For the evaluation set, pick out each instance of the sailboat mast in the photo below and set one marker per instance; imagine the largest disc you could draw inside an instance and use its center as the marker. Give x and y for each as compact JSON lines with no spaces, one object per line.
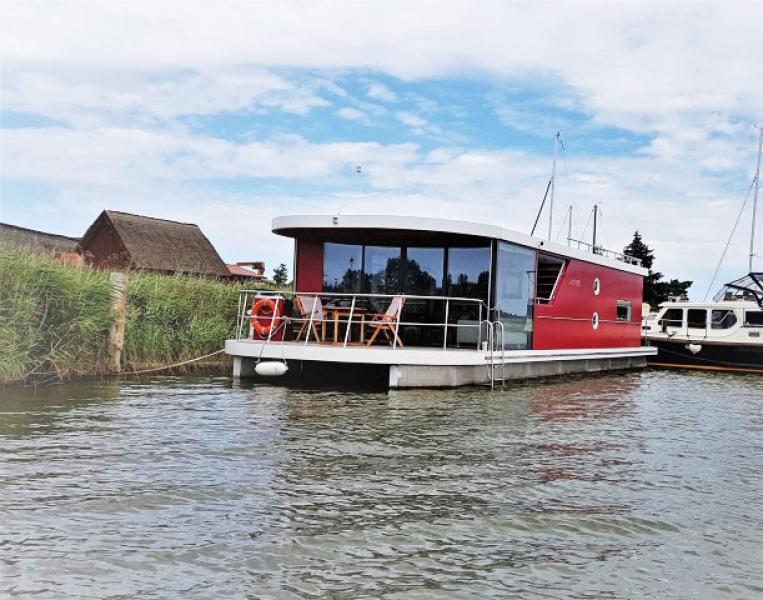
{"x":553,"y":184}
{"x":755,"y":200}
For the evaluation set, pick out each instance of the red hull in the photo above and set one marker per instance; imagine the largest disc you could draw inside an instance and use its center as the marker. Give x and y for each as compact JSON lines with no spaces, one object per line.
{"x":566,"y":322}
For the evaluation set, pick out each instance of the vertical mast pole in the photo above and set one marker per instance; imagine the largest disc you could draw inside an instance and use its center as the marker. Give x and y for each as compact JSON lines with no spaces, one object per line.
{"x":755,"y":200}
{"x":569,"y":227}
{"x":553,"y":185}
{"x":595,"y":212}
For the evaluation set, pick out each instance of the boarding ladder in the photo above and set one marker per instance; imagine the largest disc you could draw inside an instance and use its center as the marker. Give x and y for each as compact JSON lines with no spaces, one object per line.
{"x":495,"y":351}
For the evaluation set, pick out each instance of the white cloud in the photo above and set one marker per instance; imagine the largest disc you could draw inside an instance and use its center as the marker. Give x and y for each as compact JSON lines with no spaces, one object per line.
{"x":647,"y":68}
{"x":411,"y":120}
{"x":353,"y":114}
{"x":637,"y":66}
{"x":120,"y":156}
{"x":379,"y":91}
{"x":85,"y":98}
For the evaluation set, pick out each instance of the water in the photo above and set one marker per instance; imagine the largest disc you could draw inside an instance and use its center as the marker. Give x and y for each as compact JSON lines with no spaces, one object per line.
{"x":624,"y":486}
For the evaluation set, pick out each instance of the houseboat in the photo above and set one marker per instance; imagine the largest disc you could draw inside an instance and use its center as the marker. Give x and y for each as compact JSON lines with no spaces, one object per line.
{"x":402,"y":302}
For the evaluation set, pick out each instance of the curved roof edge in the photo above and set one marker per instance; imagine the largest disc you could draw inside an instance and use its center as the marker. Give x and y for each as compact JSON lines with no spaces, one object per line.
{"x":405,"y":223}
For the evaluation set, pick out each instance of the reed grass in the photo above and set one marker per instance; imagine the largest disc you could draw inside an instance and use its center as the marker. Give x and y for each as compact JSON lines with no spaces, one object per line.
{"x":176,"y":318}
{"x":55,"y":318}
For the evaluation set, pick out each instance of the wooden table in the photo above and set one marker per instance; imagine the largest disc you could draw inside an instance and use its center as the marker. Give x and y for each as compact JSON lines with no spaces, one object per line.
{"x":342,"y":313}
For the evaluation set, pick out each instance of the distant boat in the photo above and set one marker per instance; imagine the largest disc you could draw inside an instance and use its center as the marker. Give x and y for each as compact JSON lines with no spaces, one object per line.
{"x":723,"y":335}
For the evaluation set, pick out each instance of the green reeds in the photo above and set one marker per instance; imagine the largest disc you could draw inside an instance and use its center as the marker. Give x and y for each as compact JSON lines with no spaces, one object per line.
{"x":55,"y":318}
{"x":175,"y":318}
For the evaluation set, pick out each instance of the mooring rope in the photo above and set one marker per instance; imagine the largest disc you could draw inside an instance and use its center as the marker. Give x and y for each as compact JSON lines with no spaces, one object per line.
{"x":180,"y":364}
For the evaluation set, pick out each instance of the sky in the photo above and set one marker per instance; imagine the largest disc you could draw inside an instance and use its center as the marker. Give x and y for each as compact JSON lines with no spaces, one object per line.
{"x":226,"y":114}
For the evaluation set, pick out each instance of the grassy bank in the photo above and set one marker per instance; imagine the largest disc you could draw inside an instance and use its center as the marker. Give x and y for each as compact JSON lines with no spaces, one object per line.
{"x":55,"y":318}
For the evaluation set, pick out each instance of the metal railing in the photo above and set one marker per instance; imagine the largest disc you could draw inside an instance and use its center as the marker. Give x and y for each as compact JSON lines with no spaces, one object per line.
{"x":285,"y":314}
{"x":601,"y":251}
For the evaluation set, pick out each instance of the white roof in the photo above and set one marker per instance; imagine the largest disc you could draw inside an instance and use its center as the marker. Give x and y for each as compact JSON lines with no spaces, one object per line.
{"x":720,"y":305}
{"x":404,"y":223}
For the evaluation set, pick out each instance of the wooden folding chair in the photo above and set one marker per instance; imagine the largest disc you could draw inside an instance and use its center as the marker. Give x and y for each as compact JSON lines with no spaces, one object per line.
{"x":305,"y":306}
{"x":386,"y":323}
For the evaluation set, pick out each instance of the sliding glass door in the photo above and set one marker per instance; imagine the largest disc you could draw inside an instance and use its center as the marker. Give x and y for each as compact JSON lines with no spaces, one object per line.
{"x":515,"y":294}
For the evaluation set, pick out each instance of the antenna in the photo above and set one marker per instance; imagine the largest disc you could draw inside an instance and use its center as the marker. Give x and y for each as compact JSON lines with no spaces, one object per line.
{"x":755,"y":199}
{"x":358,"y":172}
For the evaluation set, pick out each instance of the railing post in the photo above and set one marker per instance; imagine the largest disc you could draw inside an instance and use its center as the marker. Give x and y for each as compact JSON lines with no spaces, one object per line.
{"x":503,"y":355}
{"x":238,"y":317}
{"x":445,"y":325}
{"x":273,"y":319}
{"x":349,"y":322}
{"x":490,"y":366}
{"x":479,"y":332}
{"x":397,"y":324}
{"x":241,"y":314}
{"x":310,"y":322}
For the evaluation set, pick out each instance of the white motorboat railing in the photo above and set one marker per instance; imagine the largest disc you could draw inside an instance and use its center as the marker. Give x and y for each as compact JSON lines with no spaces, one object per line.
{"x":285,"y":313}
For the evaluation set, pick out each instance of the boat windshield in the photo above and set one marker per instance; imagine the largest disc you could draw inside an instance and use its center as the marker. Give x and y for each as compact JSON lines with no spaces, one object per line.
{"x":749,"y":287}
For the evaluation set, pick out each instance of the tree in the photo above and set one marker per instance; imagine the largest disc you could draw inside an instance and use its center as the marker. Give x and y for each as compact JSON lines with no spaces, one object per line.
{"x":280,"y":275}
{"x":638,"y":249}
{"x":655,"y":291}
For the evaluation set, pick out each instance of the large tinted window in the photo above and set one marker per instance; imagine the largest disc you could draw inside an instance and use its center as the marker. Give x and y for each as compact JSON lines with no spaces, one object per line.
{"x":382,"y":270}
{"x":696,"y":318}
{"x":342,"y":264}
{"x":424,"y":270}
{"x":673,"y":317}
{"x":723,"y":319}
{"x":469,"y":272}
{"x":514,"y":293}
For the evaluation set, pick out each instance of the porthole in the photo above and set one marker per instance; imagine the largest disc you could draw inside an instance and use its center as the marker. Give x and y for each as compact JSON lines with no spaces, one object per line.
{"x":596,"y":286}
{"x":595,"y":321}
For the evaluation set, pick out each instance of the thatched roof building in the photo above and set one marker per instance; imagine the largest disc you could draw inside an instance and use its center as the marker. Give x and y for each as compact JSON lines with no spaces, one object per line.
{"x":32,"y":239}
{"x":126,"y":241}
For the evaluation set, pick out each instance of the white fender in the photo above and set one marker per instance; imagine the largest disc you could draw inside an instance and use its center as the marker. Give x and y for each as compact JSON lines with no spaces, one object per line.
{"x":694,"y":348}
{"x":271,"y":369}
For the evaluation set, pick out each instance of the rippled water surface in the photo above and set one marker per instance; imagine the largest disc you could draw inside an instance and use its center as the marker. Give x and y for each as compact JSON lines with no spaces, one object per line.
{"x":626,"y":486}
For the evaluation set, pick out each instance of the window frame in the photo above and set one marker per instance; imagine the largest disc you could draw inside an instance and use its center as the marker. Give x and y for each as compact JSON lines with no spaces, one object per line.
{"x":628,"y":304}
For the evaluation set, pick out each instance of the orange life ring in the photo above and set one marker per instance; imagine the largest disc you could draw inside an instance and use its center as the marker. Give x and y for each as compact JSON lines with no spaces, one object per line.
{"x":266,"y":314}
